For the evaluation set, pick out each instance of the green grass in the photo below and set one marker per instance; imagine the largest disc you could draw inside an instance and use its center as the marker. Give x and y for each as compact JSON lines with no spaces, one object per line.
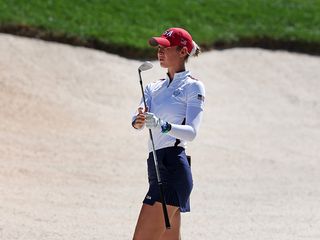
{"x":131,"y":23}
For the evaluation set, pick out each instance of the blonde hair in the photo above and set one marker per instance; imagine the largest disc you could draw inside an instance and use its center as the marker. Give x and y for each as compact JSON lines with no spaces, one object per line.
{"x":198,"y":51}
{"x":194,"y":52}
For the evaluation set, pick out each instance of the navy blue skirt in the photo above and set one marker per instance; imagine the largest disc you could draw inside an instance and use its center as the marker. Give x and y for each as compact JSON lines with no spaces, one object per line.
{"x":176,"y":177}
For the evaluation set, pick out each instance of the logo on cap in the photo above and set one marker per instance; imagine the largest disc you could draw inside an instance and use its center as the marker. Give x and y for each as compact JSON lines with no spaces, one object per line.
{"x":183,"y":41}
{"x":168,"y":33}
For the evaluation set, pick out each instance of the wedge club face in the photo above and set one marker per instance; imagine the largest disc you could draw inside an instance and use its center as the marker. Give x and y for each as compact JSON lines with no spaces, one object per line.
{"x":145,"y":66}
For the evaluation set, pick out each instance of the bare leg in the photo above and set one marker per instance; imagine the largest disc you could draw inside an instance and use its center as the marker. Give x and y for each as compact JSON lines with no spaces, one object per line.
{"x":150,"y":225}
{"x":174,"y":232}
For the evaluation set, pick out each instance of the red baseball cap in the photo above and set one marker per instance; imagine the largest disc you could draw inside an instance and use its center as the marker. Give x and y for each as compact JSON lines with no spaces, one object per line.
{"x":173,"y":37}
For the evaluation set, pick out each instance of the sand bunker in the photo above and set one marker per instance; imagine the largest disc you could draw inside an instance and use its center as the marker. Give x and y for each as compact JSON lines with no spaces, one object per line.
{"x":72,"y":167}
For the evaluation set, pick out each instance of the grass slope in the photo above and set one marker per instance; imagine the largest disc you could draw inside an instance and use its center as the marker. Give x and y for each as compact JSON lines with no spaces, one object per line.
{"x":129,"y":24}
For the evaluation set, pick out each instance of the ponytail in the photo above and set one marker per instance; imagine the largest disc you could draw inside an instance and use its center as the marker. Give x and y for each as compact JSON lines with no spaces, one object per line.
{"x":195,"y":50}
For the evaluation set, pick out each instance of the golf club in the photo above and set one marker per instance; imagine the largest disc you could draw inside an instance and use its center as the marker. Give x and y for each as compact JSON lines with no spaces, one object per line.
{"x":144,"y":67}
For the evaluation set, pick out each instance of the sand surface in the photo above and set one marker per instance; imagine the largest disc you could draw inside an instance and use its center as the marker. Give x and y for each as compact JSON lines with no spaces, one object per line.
{"x":71,"y":166}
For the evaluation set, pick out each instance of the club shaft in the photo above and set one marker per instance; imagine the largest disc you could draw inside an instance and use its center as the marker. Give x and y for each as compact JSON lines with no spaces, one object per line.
{"x":155,"y":160}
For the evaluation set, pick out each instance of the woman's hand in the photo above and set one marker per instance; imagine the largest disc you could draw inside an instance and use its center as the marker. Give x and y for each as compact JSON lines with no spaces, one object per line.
{"x":140,"y":119}
{"x":152,"y":121}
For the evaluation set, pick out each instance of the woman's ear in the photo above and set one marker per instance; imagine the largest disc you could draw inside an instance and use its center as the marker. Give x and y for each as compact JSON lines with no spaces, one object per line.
{"x":183,"y":52}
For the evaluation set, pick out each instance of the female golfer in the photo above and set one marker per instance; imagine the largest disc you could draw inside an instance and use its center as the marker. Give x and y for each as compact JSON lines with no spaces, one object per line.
{"x":174,"y":111}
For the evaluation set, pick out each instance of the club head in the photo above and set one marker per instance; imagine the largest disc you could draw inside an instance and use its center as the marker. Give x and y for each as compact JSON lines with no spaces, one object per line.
{"x":145,"y":66}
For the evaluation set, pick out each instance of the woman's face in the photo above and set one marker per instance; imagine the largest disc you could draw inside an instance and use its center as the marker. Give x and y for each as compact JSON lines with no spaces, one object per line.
{"x":169,"y":56}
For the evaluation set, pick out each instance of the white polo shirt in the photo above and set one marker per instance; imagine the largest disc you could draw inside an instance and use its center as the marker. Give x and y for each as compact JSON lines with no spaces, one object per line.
{"x":170,"y":101}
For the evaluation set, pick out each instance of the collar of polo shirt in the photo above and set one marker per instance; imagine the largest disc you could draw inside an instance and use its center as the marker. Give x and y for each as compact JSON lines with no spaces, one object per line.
{"x":177,"y":76}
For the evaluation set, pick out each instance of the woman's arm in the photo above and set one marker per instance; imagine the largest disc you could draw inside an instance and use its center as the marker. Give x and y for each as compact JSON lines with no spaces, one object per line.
{"x":189,"y":131}
{"x":195,"y":105}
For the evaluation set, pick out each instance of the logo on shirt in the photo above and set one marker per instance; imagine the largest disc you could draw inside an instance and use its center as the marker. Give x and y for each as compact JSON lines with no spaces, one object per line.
{"x":148,"y":197}
{"x":176,"y":92}
{"x":200,"y":97}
